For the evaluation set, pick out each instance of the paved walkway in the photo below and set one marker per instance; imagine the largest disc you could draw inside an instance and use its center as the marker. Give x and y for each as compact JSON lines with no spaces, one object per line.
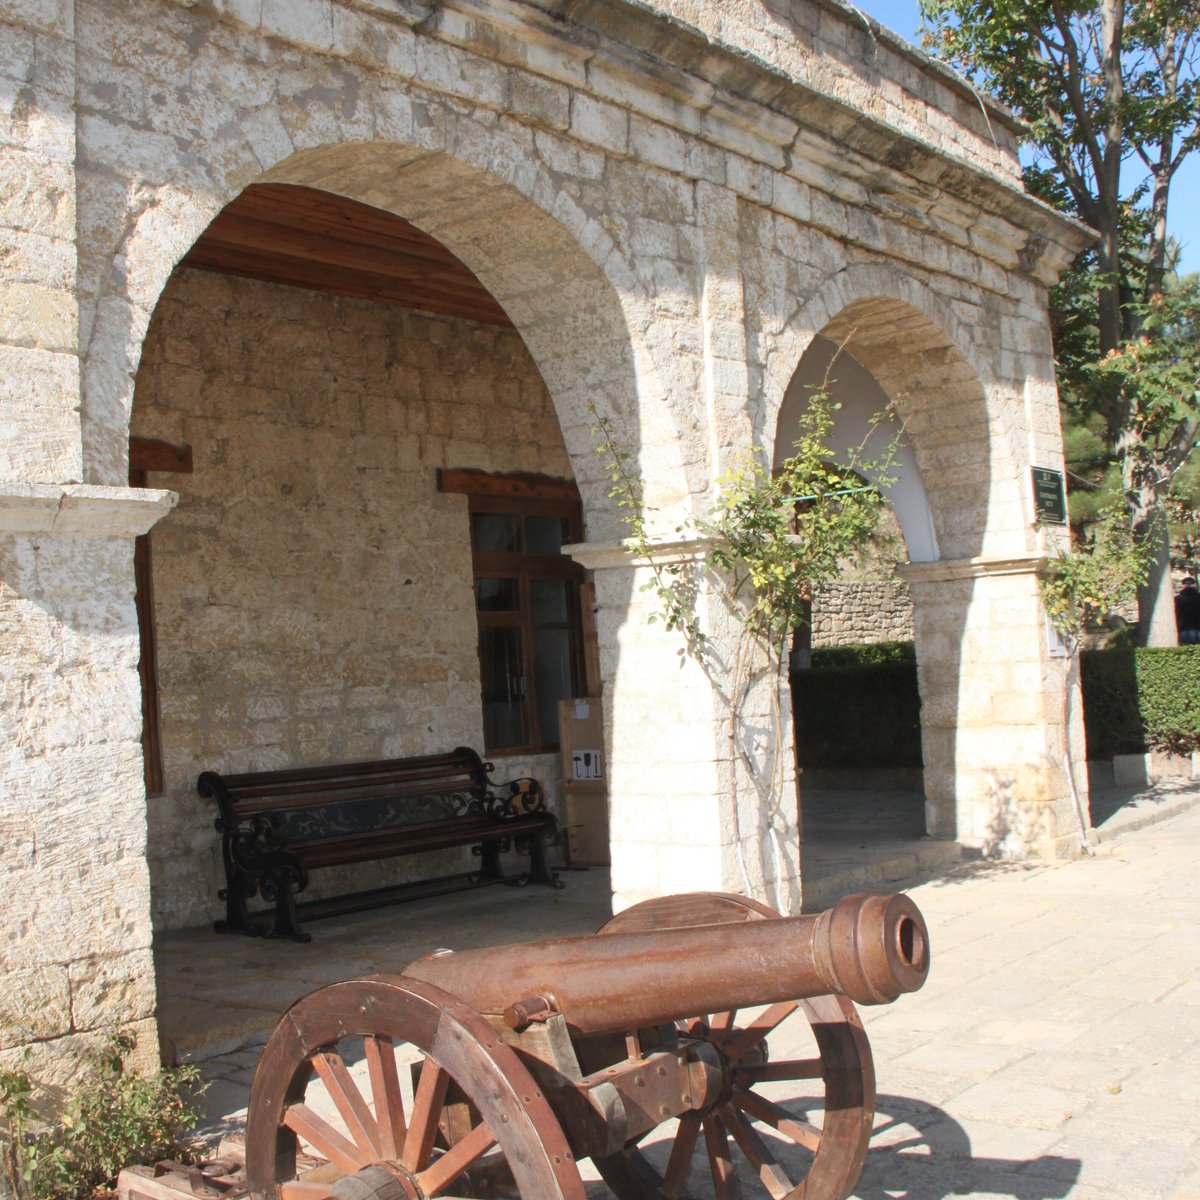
{"x":1055,"y":1051}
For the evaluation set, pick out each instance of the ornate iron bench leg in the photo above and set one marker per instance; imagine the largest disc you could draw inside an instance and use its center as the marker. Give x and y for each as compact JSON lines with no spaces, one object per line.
{"x":489,"y":861}
{"x":282,"y":887}
{"x":237,"y":918}
{"x":539,"y":865}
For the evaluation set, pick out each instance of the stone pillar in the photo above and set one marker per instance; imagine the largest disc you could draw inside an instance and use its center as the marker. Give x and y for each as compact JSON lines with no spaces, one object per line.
{"x":685,"y":811}
{"x":992,"y":709}
{"x":39,"y":318}
{"x":76,"y":959}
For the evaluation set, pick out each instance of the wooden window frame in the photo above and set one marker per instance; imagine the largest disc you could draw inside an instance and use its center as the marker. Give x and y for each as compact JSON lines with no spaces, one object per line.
{"x":527,"y":495}
{"x":146,"y":455}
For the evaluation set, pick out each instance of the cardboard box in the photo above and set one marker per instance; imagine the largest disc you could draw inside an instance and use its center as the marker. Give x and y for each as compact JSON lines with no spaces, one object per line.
{"x":585,"y":782}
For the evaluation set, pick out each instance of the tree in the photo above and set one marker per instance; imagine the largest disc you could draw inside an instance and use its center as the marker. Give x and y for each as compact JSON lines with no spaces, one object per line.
{"x":1079,"y":588}
{"x":1106,"y":86}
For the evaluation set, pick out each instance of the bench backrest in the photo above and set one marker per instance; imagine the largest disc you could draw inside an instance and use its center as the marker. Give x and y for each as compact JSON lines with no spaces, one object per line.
{"x":310,"y":803}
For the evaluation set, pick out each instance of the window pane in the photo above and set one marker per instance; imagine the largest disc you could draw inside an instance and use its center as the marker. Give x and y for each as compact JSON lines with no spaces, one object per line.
{"x":497,"y":595}
{"x":548,"y":599}
{"x":495,"y":533}
{"x":502,"y":669}
{"x":544,"y":535}
{"x":552,"y":665}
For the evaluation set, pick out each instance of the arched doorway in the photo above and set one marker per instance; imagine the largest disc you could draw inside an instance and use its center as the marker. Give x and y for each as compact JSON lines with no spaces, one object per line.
{"x":970,"y":542}
{"x":323,"y":359}
{"x":853,"y":671}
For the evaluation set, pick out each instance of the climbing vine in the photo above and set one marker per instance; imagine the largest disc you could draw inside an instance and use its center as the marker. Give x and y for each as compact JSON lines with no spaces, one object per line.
{"x":1083,"y":584}
{"x":771,"y":537}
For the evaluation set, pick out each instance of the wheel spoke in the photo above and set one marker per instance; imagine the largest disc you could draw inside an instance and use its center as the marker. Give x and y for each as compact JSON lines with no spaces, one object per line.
{"x":721,"y":1023}
{"x":456,"y":1160}
{"x":785,"y":1070}
{"x":716,"y":1141}
{"x":682,"y":1150}
{"x":324,"y":1139}
{"x":343,"y":1091}
{"x":427,"y":1107}
{"x":803,"y":1133}
{"x":766,"y":1021}
{"x":385,"y":1091}
{"x":758,"y":1152}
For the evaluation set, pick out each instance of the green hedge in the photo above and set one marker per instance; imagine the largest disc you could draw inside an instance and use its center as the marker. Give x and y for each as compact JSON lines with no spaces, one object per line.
{"x":1141,"y":699}
{"x":859,"y":705}
{"x":864,"y":654}
{"x":857,"y":716}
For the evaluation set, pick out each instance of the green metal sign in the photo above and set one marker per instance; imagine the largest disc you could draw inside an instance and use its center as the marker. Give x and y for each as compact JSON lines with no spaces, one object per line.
{"x":1049,"y":497}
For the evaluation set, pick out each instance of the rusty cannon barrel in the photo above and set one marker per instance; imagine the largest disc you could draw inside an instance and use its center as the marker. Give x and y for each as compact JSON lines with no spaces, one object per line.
{"x":870,"y":948}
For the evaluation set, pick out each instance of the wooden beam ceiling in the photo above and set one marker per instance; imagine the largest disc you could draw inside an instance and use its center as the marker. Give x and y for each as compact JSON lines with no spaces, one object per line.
{"x":303,"y":237}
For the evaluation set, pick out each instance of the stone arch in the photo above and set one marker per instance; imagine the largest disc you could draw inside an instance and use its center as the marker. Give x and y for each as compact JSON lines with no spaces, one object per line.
{"x":566,"y":309}
{"x":962,"y":425}
{"x":965,"y":430}
{"x":546,"y":261}
{"x":859,"y":398}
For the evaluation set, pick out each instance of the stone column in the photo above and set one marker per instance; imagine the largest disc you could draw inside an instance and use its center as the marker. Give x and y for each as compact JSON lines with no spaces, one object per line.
{"x":686,"y":811}
{"x":39,"y":318}
{"x":75,"y":960}
{"x":992,"y":709}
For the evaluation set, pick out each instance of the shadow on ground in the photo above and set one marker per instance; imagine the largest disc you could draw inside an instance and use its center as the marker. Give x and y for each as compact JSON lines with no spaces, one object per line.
{"x":919,"y":1152}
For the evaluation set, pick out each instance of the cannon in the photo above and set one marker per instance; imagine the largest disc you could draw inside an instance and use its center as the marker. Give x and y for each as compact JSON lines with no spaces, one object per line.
{"x":494,"y":1072}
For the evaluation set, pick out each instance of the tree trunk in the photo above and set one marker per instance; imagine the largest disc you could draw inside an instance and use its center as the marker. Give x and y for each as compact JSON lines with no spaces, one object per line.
{"x":1156,"y":597}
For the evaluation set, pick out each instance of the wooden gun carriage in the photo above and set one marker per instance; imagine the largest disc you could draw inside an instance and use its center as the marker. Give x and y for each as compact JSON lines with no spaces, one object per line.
{"x":494,"y":1072}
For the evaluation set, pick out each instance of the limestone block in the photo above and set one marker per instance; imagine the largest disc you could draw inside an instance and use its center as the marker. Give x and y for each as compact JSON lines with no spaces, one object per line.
{"x":39,"y":316}
{"x":54,"y":17}
{"x":35,"y":1005}
{"x":36,"y":194}
{"x":753,"y":180}
{"x":309,"y":24}
{"x":540,"y":102}
{"x":112,"y":990}
{"x":58,"y":1066}
{"x":447,"y":69}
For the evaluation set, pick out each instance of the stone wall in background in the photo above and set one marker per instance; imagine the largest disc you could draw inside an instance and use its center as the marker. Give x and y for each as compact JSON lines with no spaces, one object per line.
{"x":313,"y":593}
{"x":847,"y":612}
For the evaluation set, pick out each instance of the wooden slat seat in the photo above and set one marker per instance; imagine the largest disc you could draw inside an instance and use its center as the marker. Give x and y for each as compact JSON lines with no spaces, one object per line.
{"x":277,"y":826}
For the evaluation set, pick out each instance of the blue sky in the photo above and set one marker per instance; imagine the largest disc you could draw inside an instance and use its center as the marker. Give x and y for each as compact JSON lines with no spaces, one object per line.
{"x":1183,"y":217}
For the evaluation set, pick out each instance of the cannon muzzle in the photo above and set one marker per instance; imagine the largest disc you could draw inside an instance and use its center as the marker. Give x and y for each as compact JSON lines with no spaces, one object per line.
{"x":870,"y":948}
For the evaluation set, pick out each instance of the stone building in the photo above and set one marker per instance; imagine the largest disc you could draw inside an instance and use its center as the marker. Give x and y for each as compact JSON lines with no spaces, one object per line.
{"x":664,"y":212}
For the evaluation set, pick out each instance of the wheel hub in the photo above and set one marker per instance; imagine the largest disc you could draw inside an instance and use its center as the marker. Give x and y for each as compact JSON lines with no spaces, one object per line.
{"x":378,"y":1182}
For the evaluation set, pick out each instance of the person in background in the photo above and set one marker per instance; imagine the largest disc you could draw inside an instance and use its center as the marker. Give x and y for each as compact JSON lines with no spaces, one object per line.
{"x":1187,"y":612}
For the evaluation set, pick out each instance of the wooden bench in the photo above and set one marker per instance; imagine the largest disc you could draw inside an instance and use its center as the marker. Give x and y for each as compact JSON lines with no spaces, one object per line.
{"x":277,"y":826}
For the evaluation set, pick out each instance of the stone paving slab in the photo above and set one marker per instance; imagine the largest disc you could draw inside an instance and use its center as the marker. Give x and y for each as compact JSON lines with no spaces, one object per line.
{"x":1055,"y":1051}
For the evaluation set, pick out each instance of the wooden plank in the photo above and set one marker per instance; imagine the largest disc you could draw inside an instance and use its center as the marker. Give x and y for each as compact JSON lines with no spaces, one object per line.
{"x":375,"y":256}
{"x":152,"y":454}
{"x":304,"y":237}
{"x":383,"y":232}
{"x":358,"y":285}
{"x":522,"y":484}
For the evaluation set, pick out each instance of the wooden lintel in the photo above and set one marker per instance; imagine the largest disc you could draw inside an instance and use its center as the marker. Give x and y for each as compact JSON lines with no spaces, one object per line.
{"x":151,"y":454}
{"x":469,"y":481}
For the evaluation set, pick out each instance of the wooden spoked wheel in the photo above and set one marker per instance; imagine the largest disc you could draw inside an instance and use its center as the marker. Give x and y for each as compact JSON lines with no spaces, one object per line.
{"x":405,"y":1093}
{"x":800,"y":1123}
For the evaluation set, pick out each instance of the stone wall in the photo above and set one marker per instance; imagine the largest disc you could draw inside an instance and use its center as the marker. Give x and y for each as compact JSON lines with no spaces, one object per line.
{"x":75,"y":956}
{"x":671,"y":200}
{"x":313,"y":594}
{"x":847,"y":613}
